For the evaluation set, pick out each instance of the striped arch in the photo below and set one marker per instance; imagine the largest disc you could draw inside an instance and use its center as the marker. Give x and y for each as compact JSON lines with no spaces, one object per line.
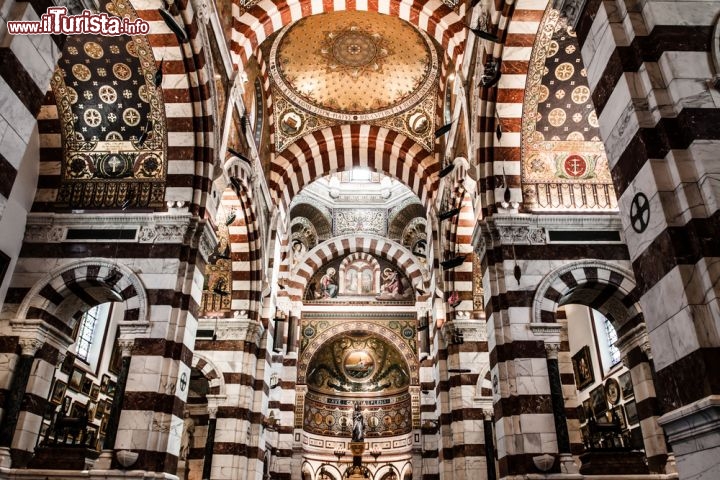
{"x":342,"y":147}
{"x":344,"y":244}
{"x":245,"y":242}
{"x":260,"y":21}
{"x":516,"y":24}
{"x":64,"y":294}
{"x":606,"y":287}
{"x":211,"y":373}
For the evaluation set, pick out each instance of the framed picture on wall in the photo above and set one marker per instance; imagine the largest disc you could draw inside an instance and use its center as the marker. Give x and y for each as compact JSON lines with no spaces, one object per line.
{"x":67,"y":364}
{"x":626,"y":385}
{"x":95,"y":391}
{"x":76,"y":380}
{"x":619,"y":417}
{"x":636,"y":439}
{"x":599,"y":402}
{"x":111,"y":388}
{"x":582,"y":366}
{"x":104,"y":383}
{"x":587,"y":406}
{"x":102,"y":407}
{"x":58,"y":392}
{"x":631,"y":412}
{"x":76,"y":409}
{"x":86,"y":386}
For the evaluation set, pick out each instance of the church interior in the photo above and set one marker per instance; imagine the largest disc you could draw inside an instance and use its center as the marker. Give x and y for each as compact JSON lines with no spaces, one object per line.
{"x":362,"y":239}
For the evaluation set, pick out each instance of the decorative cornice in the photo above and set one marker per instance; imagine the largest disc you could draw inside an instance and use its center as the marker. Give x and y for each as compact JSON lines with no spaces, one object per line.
{"x":472,"y":330}
{"x":637,"y":337}
{"x":546,"y":331}
{"x":154,"y":227}
{"x":240,"y":327}
{"x":532,"y":229}
{"x":32,"y":329}
{"x":208,"y":242}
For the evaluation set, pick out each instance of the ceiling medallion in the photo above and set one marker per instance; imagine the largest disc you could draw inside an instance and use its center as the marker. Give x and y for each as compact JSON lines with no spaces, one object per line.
{"x":354,"y":51}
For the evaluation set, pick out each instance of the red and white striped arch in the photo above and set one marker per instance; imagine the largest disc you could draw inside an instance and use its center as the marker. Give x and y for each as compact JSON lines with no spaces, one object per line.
{"x":345,"y":244}
{"x":343,"y":147}
{"x":255,"y":25}
{"x":517,"y":24}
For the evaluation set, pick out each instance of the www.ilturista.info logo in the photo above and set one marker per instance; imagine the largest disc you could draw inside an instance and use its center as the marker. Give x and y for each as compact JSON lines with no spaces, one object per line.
{"x":57,"y":21}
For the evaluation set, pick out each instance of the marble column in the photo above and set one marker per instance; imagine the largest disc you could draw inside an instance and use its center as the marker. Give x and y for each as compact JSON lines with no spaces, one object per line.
{"x":489,"y":445}
{"x":126,"y":346}
{"x":209,"y":443}
{"x":567,"y":464}
{"x":13,"y":402}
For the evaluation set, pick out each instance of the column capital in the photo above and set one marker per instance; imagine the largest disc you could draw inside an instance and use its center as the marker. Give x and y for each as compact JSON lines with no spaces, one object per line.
{"x":60,"y":358}
{"x":30,"y":346}
{"x":551,"y":350}
{"x":126,"y":346}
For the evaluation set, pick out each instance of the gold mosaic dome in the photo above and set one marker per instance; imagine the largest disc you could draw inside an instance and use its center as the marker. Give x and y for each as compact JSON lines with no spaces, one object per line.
{"x":353,"y":66}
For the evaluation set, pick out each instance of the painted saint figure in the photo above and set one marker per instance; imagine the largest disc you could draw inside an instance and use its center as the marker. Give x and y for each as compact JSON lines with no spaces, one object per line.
{"x":328,"y":288}
{"x":358,"y":431}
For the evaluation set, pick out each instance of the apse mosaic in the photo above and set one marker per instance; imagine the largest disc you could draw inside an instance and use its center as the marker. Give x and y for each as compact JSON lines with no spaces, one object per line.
{"x":561,"y":145}
{"x":342,"y":67}
{"x":113,"y":125}
{"x":358,"y":363}
{"x":359,"y":278}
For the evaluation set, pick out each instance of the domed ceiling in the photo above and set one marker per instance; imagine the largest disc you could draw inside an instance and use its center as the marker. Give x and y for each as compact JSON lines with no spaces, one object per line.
{"x":349,"y":65}
{"x":346,"y":67}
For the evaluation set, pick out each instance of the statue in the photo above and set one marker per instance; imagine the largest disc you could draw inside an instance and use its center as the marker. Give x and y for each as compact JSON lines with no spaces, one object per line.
{"x":358,"y":431}
{"x":187,"y":433}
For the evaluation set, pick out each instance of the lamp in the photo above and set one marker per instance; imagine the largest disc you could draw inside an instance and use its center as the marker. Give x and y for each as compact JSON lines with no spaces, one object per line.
{"x":485,"y":35}
{"x":453,"y":262}
{"x":448,"y":214}
{"x":375,"y":452}
{"x":239,"y":155}
{"x":177,"y":29}
{"x":447,"y":170}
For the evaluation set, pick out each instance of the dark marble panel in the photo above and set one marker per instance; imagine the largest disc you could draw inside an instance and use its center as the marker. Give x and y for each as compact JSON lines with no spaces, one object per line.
{"x":689,"y":379}
{"x":7,"y":177}
{"x":20,"y":81}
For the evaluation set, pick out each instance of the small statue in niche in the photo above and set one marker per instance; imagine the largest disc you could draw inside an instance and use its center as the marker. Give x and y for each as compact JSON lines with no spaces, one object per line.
{"x":187,"y":434}
{"x":358,"y":431}
{"x":298,"y":250}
